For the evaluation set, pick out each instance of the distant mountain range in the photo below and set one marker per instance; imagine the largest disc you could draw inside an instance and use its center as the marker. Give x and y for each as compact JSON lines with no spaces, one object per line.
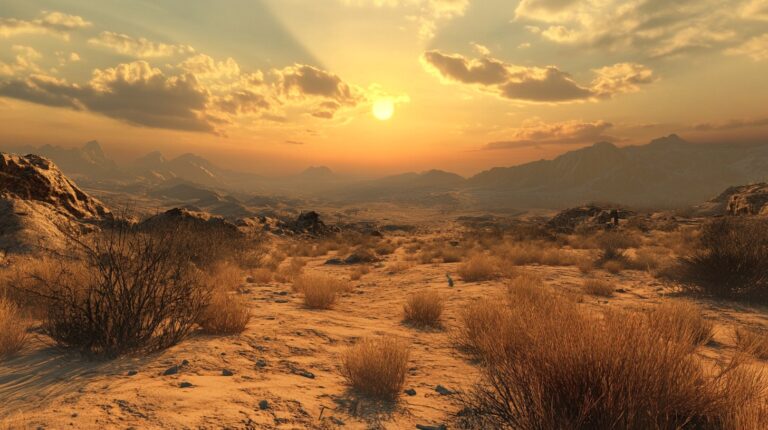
{"x":667,"y":172}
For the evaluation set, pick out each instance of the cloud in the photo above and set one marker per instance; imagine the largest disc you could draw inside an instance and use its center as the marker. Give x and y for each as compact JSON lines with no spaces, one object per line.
{"x":535,"y":84}
{"x":24,"y":61}
{"x":54,"y":23}
{"x":327,"y":92}
{"x":733,"y":124}
{"x":294,"y":142}
{"x":134,"y":92}
{"x":755,"y":48}
{"x":654,"y":28}
{"x":137,"y":47}
{"x":535,"y":132}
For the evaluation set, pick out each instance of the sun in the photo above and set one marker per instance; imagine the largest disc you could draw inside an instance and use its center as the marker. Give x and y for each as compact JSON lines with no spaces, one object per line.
{"x":383,"y":109}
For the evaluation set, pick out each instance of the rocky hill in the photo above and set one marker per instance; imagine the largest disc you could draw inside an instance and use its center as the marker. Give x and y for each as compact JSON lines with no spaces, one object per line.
{"x":39,"y":205}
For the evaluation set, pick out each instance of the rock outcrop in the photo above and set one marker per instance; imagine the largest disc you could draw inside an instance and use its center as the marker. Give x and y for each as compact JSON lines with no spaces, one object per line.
{"x":40,"y":207}
{"x":748,"y":200}
{"x":584,"y":217}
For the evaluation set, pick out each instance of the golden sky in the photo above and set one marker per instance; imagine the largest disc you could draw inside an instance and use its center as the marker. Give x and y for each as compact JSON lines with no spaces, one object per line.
{"x":380,"y":86}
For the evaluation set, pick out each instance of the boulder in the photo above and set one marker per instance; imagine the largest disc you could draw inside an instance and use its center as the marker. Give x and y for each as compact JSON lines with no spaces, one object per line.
{"x":584,"y":217}
{"x":748,"y":200}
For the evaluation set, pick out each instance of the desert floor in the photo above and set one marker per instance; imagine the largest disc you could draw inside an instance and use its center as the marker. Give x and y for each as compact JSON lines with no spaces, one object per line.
{"x":283,"y":372}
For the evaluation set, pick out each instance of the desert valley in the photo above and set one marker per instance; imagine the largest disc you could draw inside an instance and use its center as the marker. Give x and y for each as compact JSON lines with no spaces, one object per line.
{"x":384,"y":214}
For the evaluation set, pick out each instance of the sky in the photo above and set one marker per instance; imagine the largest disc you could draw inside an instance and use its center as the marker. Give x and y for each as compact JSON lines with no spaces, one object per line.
{"x":380,"y":86}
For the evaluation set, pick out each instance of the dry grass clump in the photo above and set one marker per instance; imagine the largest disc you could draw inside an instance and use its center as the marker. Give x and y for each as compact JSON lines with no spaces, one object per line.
{"x":424,"y":308}
{"x":479,"y":267}
{"x":377,"y":367}
{"x":731,"y":260}
{"x":224,"y":275}
{"x":549,"y":365}
{"x":289,"y":272}
{"x":477,"y":322}
{"x":225,"y":314}
{"x":598,"y":287}
{"x":613,"y":266}
{"x":13,"y":335}
{"x":398,"y":267}
{"x":357,"y":272}
{"x":319,"y":291}
{"x":539,"y":252}
{"x":261,"y":275}
{"x":682,"y":322}
{"x":753,"y":342}
{"x":439,"y":252}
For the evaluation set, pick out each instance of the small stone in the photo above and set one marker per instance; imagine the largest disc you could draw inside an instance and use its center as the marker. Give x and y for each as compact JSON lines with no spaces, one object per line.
{"x":264,"y":405}
{"x":132,"y":372}
{"x":171,"y":371}
{"x":444,"y":391}
{"x":184,"y":362}
{"x":261,"y":362}
{"x":185,"y":384}
{"x":250,"y":280}
{"x":282,"y":293}
{"x":410,"y":392}
{"x":306,"y":374}
{"x":620,"y":290}
{"x":429,"y":427}
{"x":281,"y":301}
{"x":227,"y":372}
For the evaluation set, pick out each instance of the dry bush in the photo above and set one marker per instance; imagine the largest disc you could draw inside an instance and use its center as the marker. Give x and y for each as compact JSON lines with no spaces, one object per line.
{"x":272,"y":261}
{"x":544,"y":253}
{"x":478,"y":321}
{"x":289,"y":272}
{"x":597,"y":287}
{"x":13,"y":334}
{"x":547,"y":365}
{"x":479,"y":267}
{"x":613,"y":266}
{"x":613,"y":245}
{"x":224,"y":275}
{"x":424,"y":309}
{"x":731,"y":260}
{"x":647,"y":259}
{"x":377,"y":367}
{"x":398,"y":267}
{"x":386,"y":248}
{"x":226,"y":313}
{"x":320,"y":291}
{"x":261,"y":275}
{"x":753,"y":342}
{"x":441,"y":252}
{"x":357,"y":272}
{"x":129,"y":292}
{"x":682,"y":322}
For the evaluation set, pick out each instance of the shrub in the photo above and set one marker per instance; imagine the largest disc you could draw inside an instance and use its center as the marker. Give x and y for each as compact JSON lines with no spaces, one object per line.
{"x":681,"y":322}
{"x":549,"y":366}
{"x":358,"y":272}
{"x":597,"y":287}
{"x":261,"y":275}
{"x":731,"y":260}
{"x":398,"y":267}
{"x":478,"y":321}
{"x":13,"y":335}
{"x":479,"y":267}
{"x":424,"y":309}
{"x":130,"y":291}
{"x":319,"y":290}
{"x":613,"y":266}
{"x":377,"y":367}
{"x":614,"y":244}
{"x":225,"y":314}
{"x":752,"y":342}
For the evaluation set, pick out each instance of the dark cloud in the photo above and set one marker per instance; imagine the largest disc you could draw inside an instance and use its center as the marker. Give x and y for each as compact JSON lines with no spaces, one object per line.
{"x":537,"y":133}
{"x":294,"y":142}
{"x":134,"y":92}
{"x":733,"y":124}
{"x":536,"y":84}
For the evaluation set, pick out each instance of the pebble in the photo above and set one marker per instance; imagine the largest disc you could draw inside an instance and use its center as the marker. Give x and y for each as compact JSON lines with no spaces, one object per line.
{"x":429,"y":427}
{"x":171,"y":370}
{"x":227,"y":372}
{"x":185,"y":384}
{"x":410,"y":392}
{"x":444,"y":391}
{"x":261,"y":362}
{"x":263,"y":405}
{"x":132,"y":372}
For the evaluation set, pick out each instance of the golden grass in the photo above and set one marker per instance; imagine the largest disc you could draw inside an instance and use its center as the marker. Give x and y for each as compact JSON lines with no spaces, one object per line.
{"x":224,"y":275}
{"x":613,"y":266}
{"x":477,"y":322}
{"x":682,"y":322}
{"x":398,"y":267}
{"x":377,"y":367}
{"x":598,"y":287}
{"x":479,"y":267}
{"x":13,"y":334}
{"x":226,"y":313}
{"x":290,"y":271}
{"x":538,"y":252}
{"x":320,"y":291}
{"x":424,"y":309}
{"x":753,"y":342}
{"x":261,"y":275}
{"x":547,"y":364}
{"x":357,"y":272}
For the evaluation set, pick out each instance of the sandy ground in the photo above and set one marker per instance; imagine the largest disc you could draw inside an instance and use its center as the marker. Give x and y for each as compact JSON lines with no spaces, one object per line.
{"x":284,"y":369}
